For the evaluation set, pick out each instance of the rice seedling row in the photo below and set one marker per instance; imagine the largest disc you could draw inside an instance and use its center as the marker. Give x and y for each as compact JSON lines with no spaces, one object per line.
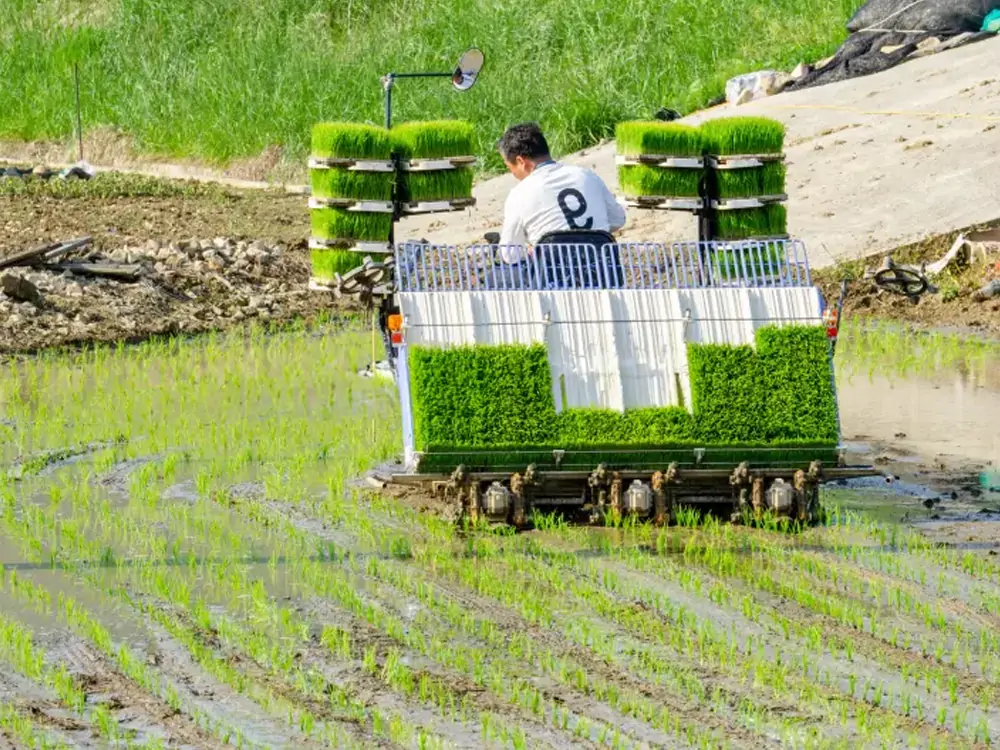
{"x":213,"y":508}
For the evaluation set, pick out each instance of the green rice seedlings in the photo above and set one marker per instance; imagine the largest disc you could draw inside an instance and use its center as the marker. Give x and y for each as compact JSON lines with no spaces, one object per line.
{"x":752,"y":223}
{"x":730,"y":136}
{"x":640,"y":180}
{"x":638,"y":138}
{"x":349,"y":140}
{"x":327,"y":263}
{"x":753,"y":182}
{"x":348,"y":227}
{"x":437,"y":185}
{"x":434,"y":139}
{"x":344,"y":183}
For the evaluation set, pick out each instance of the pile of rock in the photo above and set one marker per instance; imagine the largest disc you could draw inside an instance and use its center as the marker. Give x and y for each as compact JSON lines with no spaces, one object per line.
{"x":183,"y":287}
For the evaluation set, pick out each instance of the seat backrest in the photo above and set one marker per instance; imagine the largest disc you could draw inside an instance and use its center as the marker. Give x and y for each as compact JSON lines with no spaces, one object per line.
{"x":593,"y":237}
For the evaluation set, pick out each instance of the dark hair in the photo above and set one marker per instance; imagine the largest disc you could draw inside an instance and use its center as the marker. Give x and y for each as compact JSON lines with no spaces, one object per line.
{"x":524,"y":140}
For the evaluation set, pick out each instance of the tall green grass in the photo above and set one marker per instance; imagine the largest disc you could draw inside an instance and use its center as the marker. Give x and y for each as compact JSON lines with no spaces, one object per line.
{"x":220,"y":79}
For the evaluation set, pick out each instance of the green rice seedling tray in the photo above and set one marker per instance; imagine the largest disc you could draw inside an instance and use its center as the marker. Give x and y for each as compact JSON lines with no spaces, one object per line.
{"x":437,"y":185}
{"x":354,"y":246}
{"x":354,"y":165}
{"x":768,"y":180}
{"x":665,"y":203}
{"x":346,"y":184}
{"x":430,"y":207}
{"x":641,"y":180}
{"x":350,"y":204}
{"x":653,"y":137}
{"x":660,"y":160}
{"x":435,"y":165}
{"x":768,"y":221}
{"x":434,"y":139}
{"x":735,"y":204}
{"x":743,"y":161}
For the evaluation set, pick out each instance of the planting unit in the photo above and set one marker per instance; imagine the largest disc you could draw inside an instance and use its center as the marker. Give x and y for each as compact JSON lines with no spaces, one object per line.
{"x":618,"y":378}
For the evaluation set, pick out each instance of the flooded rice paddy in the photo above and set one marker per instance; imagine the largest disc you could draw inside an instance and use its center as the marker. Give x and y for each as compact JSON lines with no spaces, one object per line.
{"x":188,"y":563}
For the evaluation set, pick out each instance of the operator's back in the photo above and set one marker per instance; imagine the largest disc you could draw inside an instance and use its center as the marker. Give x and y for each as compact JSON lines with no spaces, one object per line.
{"x":558,"y":197}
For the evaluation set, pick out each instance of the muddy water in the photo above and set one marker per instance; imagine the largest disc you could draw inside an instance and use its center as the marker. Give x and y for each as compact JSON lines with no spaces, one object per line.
{"x":952,"y":417}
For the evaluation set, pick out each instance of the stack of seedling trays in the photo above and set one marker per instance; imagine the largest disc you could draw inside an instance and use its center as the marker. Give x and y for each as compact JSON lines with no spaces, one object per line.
{"x":660,"y":165}
{"x":437,"y":166}
{"x":352,"y":178}
{"x":747,"y":164}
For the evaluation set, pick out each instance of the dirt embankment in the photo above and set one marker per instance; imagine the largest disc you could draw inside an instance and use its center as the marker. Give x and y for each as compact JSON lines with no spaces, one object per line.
{"x":953,"y":298}
{"x":212,"y":260}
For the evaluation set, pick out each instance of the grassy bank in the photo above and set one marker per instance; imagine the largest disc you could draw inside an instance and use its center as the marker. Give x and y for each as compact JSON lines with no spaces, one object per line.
{"x":226,"y":79}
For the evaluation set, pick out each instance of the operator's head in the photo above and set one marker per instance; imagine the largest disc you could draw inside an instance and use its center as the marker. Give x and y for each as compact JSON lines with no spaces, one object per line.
{"x":523,"y":147}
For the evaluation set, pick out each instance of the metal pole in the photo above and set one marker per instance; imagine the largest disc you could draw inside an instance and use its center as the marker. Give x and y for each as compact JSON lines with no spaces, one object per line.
{"x":388,"y":100}
{"x":79,"y":119}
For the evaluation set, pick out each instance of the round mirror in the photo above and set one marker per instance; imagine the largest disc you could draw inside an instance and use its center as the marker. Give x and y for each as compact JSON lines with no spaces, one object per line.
{"x":468,"y":69}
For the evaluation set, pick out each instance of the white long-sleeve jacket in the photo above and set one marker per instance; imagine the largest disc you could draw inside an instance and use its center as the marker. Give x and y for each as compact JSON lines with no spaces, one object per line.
{"x":556,"y":197}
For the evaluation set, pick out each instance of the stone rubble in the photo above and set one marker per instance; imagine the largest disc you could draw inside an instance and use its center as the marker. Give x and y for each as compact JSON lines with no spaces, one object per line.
{"x":185,"y":287}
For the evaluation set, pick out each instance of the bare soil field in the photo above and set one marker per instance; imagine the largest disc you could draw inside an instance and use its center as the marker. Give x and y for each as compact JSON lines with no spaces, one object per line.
{"x":211,"y":258}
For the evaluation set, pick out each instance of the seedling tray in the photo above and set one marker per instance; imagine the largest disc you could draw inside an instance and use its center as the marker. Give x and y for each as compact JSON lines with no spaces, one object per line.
{"x":735,"y":204}
{"x":657,"y":160}
{"x":435,"y":165}
{"x":353,"y":165}
{"x":352,"y":204}
{"x":665,"y":203}
{"x":430,"y":207}
{"x":350,"y":245}
{"x":743,"y":161}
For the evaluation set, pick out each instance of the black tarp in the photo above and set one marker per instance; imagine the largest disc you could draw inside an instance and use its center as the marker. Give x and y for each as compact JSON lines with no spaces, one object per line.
{"x":896,"y":23}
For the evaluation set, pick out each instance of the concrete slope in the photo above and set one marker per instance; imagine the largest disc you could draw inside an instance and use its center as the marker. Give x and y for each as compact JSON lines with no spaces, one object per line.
{"x":873,"y":162}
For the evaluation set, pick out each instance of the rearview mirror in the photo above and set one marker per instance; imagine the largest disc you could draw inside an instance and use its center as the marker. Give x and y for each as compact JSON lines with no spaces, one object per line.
{"x":468,"y":69}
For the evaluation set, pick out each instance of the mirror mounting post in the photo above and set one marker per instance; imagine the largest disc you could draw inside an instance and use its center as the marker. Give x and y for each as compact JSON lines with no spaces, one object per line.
{"x":463,"y":77}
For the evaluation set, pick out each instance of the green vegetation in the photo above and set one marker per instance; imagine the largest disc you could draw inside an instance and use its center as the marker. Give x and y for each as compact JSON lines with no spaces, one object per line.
{"x":780,"y":390}
{"x":749,"y":223}
{"x":741,"y":263}
{"x":348,"y":140}
{"x":639,"y":137}
{"x":346,"y":619}
{"x":482,"y":395}
{"x":343,"y":183}
{"x":326,"y":263}
{"x":436,"y":139}
{"x":194,"y":78}
{"x":106,"y":185}
{"x":641,"y":180}
{"x":474,"y":400}
{"x":752,"y":182}
{"x":438,"y":185}
{"x":728,"y":136}
{"x":341,"y":224}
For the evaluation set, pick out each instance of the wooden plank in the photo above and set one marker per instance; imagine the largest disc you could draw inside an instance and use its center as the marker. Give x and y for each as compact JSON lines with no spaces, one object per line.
{"x":25,"y":257}
{"x":120,"y":271}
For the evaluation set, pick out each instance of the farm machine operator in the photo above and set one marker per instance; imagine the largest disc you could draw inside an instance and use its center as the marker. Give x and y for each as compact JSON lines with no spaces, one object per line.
{"x":552,"y":202}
